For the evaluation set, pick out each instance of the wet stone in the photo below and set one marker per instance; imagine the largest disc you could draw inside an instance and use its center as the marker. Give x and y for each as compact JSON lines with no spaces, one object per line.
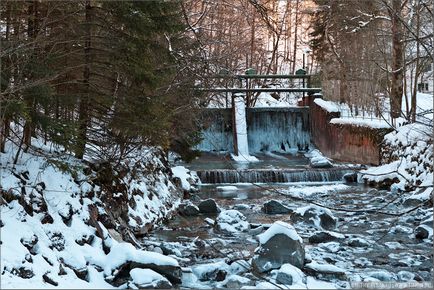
{"x":275,"y":207}
{"x":324,"y":237}
{"x":208,"y":206}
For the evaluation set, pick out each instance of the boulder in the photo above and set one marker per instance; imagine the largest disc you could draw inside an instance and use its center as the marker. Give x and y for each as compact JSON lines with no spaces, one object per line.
{"x":318,"y":216}
{"x":212,"y":271}
{"x":278,"y":245}
{"x":231,"y":221}
{"x":358,"y":243}
{"x":275,"y":207}
{"x":236,"y":282}
{"x":325,"y":236}
{"x":350,"y":177}
{"x":289,"y":275}
{"x":208,"y":206}
{"x":188,"y":209}
{"x":423,"y":232}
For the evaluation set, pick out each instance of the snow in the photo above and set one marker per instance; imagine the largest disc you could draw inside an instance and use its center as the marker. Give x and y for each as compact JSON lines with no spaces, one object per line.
{"x":145,"y":276}
{"x":360,"y":122}
{"x":317,"y":159}
{"x":279,"y":227}
{"x":297,"y":275}
{"x":241,"y":128}
{"x":202,"y":270}
{"x":125,"y":252}
{"x":184,"y":175}
{"x":301,"y":191}
{"x":227,"y":188}
{"x":232,"y":221}
{"x":55,"y":191}
{"x":329,"y":106}
{"x":324,"y":268}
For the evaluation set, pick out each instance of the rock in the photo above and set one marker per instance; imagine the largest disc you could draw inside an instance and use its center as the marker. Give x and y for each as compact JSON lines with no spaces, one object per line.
{"x":148,"y":279}
{"x":30,"y":243}
{"x":208,"y":206}
{"x":23,"y":272}
{"x":358,"y":243}
{"x":239,"y":267}
{"x":289,"y":275}
{"x":283,"y":278}
{"x":241,"y":206}
{"x":231,"y":221}
{"x":212,"y":271}
{"x":115,"y":235}
{"x":210,"y":221}
{"x":158,"y":250}
{"x":49,"y":280}
{"x":278,"y":245}
{"x":382,"y":275}
{"x":324,"y":237}
{"x":317,"y":160}
{"x":236,"y":282}
{"x":350,"y":177}
{"x":324,"y":271}
{"x":422,"y":232}
{"x":318,"y":216}
{"x":188,"y":209}
{"x":275,"y":207}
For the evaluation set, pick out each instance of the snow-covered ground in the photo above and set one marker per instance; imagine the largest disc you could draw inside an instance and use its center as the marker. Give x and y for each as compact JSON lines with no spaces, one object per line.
{"x":62,"y":225}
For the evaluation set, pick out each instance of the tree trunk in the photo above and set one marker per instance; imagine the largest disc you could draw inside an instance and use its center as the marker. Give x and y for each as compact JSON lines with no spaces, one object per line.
{"x":85,"y":98}
{"x":397,"y":61}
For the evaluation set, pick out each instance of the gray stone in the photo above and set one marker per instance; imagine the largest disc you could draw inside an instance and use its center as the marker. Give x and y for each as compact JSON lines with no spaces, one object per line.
{"x":188,"y":209}
{"x":275,"y":207}
{"x":284,"y":278}
{"x":324,"y":271}
{"x":278,"y":250}
{"x":422,"y":232}
{"x":316,"y":214}
{"x":208,"y":206}
{"x":358,"y":243}
{"x":324,"y":237}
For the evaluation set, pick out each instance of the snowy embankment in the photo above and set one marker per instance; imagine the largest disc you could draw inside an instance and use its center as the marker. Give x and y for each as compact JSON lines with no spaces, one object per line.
{"x":73,"y":225}
{"x":408,"y":161}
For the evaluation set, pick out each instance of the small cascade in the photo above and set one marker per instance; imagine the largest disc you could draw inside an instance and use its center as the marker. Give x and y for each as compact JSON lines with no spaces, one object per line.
{"x":271,"y":175}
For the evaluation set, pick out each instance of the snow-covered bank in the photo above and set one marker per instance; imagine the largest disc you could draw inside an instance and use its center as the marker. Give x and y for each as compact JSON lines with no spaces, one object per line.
{"x":407,"y":157}
{"x":61,"y":219}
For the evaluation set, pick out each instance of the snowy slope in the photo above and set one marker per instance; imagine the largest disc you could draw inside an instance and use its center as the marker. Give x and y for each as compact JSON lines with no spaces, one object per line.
{"x":61,"y":227}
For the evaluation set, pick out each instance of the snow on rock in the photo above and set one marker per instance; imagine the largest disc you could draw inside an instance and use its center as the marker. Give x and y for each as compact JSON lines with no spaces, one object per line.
{"x":408,"y":157}
{"x":318,"y":216}
{"x":231,"y":221}
{"x":329,"y":106}
{"x":289,"y":275}
{"x":302,"y":191}
{"x":360,"y":122}
{"x":211,"y":271}
{"x":318,"y":160}
{"x":278,"y":245}
{"x":146,"y":278}
{"x":244,"y":158}
{"x":327,"y":271}
{"x":227,"y":188}
{"x":187,"y":177}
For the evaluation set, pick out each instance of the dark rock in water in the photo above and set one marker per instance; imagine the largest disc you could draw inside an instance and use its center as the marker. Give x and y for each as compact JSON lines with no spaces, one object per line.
{"x":350,"y":177}
{"x":315,"y":215}
{"x":49,"y":280}
{"x":208,"y":206}
{"x":284,"y":278}
{"x":358,"y":243}
{"x":279,"y":245}
{"x":188,"y":209}
{"x":324,"y":237}
{"x":275,"y":207}
{"x":422,"y":232}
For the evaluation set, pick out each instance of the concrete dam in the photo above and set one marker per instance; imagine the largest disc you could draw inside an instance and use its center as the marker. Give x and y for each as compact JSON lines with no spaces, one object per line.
{"x":283,"y":130}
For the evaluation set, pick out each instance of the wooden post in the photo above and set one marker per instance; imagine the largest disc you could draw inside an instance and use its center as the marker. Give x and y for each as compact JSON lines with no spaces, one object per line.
{"x":234,"y":125}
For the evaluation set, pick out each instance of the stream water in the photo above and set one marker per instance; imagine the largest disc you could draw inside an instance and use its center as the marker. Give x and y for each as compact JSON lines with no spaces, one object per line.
{"x":377,"y":247}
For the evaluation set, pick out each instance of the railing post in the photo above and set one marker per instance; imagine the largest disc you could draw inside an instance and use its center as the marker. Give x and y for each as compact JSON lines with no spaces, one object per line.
{"x":234,"y":126}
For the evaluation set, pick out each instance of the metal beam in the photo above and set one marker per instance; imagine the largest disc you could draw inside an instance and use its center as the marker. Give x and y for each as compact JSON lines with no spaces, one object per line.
{"x":262,"y":90}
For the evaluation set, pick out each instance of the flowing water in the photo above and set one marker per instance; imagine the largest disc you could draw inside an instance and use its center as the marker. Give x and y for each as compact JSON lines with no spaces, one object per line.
{"x":388,"y":243}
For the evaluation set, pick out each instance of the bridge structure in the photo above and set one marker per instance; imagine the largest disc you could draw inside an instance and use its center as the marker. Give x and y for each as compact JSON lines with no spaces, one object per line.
{"x":251,"y":74}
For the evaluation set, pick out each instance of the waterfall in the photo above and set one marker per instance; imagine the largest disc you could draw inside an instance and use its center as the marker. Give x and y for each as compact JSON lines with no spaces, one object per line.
{"x":271,"y":175}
